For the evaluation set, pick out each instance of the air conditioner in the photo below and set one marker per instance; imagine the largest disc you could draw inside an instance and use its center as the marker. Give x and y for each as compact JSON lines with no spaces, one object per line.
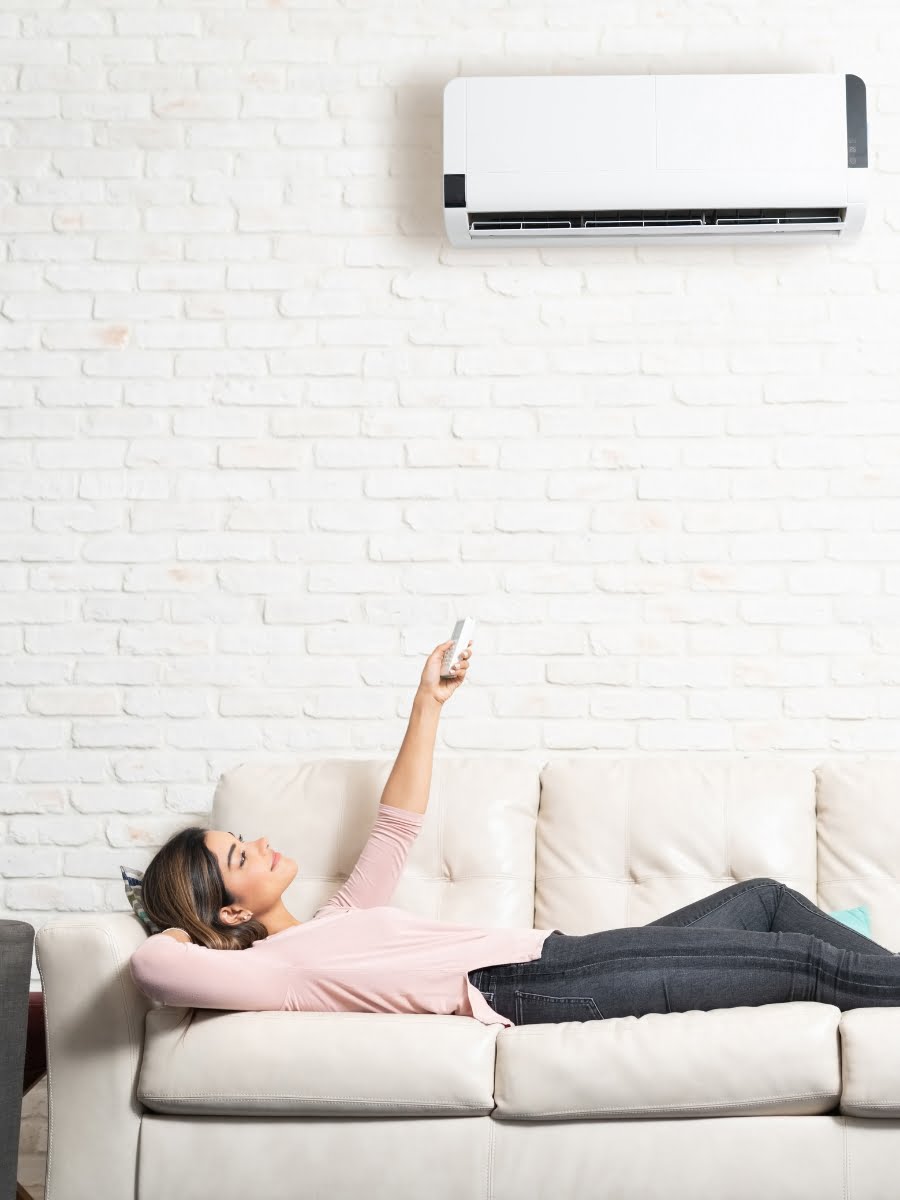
{"x":592,"y":159}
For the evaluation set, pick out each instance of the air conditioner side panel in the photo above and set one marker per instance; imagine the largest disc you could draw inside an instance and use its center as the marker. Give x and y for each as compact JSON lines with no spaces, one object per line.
{"x":456,"y":218}
{"x":455,"y":126}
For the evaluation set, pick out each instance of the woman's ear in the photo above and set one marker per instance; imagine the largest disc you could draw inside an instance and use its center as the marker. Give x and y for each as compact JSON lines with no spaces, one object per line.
{"x":234,"y":916}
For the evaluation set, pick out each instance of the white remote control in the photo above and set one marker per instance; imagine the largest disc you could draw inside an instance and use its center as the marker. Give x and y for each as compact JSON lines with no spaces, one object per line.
{"x":462,"y":632}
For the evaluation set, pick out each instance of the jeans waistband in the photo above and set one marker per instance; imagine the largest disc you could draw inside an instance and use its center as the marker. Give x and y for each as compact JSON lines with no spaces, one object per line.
{"x":479,"y":977}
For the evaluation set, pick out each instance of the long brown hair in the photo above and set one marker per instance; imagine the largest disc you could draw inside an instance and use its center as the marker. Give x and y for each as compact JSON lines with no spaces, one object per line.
{"x":183,"y":888}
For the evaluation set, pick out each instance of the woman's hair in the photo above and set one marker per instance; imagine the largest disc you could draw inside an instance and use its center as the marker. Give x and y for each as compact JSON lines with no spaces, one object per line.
{"x":183,"y":888}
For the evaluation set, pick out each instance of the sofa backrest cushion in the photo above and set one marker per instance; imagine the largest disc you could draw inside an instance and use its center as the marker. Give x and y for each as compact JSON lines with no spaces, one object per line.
{"x":621,"y":841}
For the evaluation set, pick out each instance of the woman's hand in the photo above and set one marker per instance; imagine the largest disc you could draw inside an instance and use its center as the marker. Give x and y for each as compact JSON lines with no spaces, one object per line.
{"x":442,"y":689}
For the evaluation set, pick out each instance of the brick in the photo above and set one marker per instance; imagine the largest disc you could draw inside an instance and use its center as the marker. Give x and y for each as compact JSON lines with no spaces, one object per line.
{"x":53,"y":831}
{"x":56,"y":896}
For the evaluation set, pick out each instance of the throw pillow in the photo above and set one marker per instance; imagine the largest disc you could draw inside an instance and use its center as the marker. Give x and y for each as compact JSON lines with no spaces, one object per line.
{"x":857,"y":918}
{"x":133,"y":881}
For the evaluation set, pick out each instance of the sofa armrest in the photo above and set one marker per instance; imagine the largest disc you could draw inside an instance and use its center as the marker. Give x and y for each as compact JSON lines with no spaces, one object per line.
{"x":94,"y":1017}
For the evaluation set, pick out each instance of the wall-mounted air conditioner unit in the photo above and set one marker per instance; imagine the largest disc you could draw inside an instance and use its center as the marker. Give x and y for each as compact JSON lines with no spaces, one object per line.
{"x":592,"y":159}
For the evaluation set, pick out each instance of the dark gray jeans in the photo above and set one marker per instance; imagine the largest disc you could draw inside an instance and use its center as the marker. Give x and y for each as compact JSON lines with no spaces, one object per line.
{"x":755,"y":942}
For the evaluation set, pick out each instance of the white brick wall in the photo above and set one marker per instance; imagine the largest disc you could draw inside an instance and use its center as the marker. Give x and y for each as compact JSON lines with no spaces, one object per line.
{"x":265,"y":434}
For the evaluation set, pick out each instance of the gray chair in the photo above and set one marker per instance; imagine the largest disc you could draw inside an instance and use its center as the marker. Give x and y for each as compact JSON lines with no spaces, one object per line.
{"x":16,"y":943}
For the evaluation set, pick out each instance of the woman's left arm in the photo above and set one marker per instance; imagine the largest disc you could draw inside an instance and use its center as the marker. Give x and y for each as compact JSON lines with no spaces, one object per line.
{"x":188,"y":976}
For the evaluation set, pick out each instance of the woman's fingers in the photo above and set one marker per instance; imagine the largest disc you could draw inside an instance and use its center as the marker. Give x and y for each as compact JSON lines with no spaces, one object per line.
{"x":463,"y":655}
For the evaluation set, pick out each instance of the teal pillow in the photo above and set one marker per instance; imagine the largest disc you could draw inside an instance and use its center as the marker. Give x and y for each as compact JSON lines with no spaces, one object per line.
{"x":857,"y":918}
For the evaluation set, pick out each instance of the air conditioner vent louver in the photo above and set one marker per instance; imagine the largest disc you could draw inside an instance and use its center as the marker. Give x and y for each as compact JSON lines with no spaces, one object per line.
{"x":647,"y":218}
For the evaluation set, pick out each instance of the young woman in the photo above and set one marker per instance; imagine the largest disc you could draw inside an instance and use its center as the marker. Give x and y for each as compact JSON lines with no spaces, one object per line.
{"x":751,"y":943}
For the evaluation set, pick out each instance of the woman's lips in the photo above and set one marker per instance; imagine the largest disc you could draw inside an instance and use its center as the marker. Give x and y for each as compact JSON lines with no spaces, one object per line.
{"x":276,"y":859}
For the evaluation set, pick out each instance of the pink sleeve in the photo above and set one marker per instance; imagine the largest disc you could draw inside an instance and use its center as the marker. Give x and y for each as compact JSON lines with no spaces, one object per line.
{"x":183,"y":974}
{"x":373,"y":879}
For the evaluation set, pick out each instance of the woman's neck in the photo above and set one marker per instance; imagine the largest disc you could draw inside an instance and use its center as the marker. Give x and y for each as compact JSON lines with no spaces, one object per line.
{"x":278,"y":920}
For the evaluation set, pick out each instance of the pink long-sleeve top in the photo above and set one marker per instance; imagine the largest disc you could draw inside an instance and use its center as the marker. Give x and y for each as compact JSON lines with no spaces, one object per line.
{"x":356,"y":954}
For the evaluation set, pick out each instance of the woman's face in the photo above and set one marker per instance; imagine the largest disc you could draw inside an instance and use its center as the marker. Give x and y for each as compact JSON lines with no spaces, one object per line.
{"x":253,"y":872}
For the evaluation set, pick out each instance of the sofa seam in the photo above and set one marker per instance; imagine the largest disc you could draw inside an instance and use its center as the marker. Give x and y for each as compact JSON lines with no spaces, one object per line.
{"x":492,"y":1154}
{"x":624,"y":1110}
{"x":846,"y":1148}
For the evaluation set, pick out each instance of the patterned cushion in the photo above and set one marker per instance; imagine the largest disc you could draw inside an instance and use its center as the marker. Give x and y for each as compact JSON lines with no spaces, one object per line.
{"x":133,"y":882}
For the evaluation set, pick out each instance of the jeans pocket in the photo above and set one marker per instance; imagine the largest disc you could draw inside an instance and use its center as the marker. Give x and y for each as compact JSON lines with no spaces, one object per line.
{"x":533,"y":1008}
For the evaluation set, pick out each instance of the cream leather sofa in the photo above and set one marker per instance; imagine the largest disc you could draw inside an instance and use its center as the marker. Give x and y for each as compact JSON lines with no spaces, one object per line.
{"x":786,"y":1100}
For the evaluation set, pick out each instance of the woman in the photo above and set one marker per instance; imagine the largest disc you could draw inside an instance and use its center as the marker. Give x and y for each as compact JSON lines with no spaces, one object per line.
{"x":751,"y":943}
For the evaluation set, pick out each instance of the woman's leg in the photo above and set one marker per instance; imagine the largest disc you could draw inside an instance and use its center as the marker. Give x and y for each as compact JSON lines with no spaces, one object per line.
{"x":768,"y":906}
{"x":660,"y":968}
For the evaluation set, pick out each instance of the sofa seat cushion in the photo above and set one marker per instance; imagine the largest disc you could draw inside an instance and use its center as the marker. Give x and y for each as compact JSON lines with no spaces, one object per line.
{"x":870,"y":1062}
{"x":765,"y":1060}
{"x":316,"y":1064}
